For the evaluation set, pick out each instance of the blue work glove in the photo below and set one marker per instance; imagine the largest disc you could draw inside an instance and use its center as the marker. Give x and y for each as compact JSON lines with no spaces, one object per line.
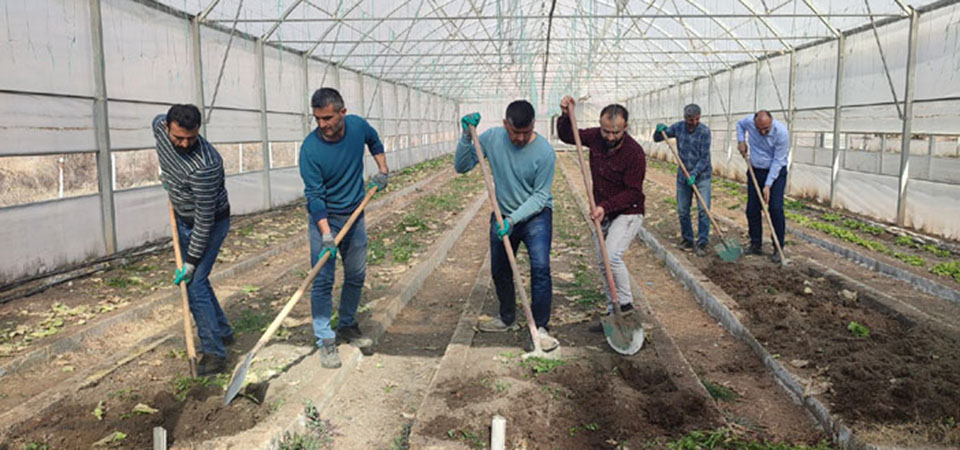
{"x":501,"y":232}
{"x":184,"y":274}
{"x":661,"y":128}
{"x":379,"y":180}
{"x":691,"y":180}
{"x":328,"y":245}
{"x":470,"y":119}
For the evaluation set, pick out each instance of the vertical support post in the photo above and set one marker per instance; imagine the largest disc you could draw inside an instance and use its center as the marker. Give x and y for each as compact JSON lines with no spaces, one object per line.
{"x":102,"y":125}
{"x":198,"y":72}
{"x":883,"y":149}
{"x":837,"y":99}
{"x":756,"y":87}
{"x":791,"y":114}
{"x":907,"y":131}
{"x":264,"y":138}
{"x":307,"y":116}
{"x":730,"y":139}
{"x":932,"y":152}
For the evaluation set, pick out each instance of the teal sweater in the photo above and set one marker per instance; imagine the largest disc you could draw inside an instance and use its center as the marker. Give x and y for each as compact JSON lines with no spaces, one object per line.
{"x":523,"y":176}
{"x":332,"y":172}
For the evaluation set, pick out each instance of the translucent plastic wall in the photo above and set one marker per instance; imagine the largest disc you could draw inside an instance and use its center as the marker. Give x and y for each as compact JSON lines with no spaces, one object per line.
{"x":871,"y":119}
{"x":52,"y":93}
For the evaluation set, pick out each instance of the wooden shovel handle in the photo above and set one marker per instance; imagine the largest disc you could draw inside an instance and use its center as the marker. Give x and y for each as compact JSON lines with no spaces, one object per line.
{"x":184,"y":298}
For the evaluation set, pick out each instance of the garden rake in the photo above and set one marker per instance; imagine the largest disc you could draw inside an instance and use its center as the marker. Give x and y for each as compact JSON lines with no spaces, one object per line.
{"x":524,"y":301}
{"x":184,"y":298}
{"x":240,"y":372}
{"x":624,"y":334}
{"x":729,"y":249}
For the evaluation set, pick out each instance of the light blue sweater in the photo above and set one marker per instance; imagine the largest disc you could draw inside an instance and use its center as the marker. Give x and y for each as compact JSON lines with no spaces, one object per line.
{"x":523,"y":176}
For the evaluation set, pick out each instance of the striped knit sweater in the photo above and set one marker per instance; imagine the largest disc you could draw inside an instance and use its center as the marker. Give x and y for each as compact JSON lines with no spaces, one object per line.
{"x":195,"y":183}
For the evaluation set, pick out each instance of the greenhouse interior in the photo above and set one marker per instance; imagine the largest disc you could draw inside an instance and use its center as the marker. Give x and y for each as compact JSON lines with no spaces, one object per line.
{"x":838,"y":330}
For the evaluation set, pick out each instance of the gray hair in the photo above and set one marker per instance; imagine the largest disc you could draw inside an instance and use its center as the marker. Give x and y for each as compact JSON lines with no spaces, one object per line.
{"x":691,"y":110}
{"x":326,"y":96}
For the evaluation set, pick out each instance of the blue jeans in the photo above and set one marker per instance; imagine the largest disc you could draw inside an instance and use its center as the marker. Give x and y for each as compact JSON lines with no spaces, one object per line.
{"x":353,"y":253}
{"x":755,"y":210}
{"x":536,"y":233}
{"x":684,"y":197}
{"x":212,"y":324}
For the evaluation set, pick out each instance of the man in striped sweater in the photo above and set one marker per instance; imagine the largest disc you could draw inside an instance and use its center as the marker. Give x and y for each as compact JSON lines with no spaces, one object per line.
{"x":192,"y":173}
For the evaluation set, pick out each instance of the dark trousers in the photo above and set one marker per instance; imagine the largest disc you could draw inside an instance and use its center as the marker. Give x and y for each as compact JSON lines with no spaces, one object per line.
{"x":755,"y":209}
{"x":536,"y":233}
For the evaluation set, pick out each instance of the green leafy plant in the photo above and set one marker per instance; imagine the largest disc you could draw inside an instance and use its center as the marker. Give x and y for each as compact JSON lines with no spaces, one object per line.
{"x":251,"y":322}
{"x":542,"y":365}
{"x":724,"y":438}
{"x":858,"y":330}
{"x":718,"y":391}
{"x":948,"y":269}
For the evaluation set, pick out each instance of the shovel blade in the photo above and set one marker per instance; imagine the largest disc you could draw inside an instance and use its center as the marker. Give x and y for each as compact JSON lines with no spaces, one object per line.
{"x":239,"y":374}
{"x":729,"y":250}
{"x":624,"y":333}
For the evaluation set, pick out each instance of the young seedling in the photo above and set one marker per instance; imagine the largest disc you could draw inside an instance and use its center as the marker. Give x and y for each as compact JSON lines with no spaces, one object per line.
{"x":858,"y":330}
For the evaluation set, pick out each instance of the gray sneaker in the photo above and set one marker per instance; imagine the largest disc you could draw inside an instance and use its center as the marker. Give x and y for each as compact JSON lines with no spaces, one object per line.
{"x":547,"y":343}
{"x":496,"y":325}
{"x":701,"y":250}
{"x":329,"y":356}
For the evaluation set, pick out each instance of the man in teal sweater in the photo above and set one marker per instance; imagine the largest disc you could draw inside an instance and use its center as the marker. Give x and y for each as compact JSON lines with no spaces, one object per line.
{"x":331,"y":165}
{"x":522,"y":164}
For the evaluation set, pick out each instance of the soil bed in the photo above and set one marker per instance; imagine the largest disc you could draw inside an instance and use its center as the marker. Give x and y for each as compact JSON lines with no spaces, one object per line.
{"x":589,"y":397}
{"x":893,"y":377}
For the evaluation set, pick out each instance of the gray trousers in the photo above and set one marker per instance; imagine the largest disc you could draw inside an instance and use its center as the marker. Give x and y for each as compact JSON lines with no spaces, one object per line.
{"x":619,"y":234}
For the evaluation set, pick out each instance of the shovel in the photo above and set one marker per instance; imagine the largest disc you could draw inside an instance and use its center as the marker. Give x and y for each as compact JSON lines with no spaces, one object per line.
{"x":624,"y":334}
{"x":524,"y":301}
{"x":240,"y":372}
{"x":729,"y":249}
{"x":185,"y":301}
{"x":766,"y":212}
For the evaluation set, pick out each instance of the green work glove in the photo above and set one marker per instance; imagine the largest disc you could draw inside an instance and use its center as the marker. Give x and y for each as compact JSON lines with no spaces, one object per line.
{"x":661,"y":128}
{"x":379,"y":180}
{"x":470,"y":119}
{"x":501,"y":232}
{"x":328,"y":245}
{"x":184,"y":274}
{"x":691,"y":180}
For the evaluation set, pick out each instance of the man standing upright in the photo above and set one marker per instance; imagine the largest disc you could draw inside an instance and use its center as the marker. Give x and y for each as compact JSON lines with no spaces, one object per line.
{"x":617,"y":168}
{"x":522,"y":165}
{"x":192,"y":173}
{"x":331,"y":165}
{"x":693,"y":145}
{"x":769,"y":147}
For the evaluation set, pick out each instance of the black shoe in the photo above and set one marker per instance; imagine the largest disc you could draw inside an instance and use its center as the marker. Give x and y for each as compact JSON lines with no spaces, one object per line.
{"x":211,"y":365}
{"x":329,"y":355}
{"x":754,"y":250}
{"x":352,"y":335}
{"x":775,"y":258}
{"x":701,"y":250}
{"x":228,"y":340}
{"x":685,"y":245}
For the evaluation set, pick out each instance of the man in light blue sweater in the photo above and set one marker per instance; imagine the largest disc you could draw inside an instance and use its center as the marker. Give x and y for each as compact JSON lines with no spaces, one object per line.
{"x":331,"y":165}
{"x":522,"y":164}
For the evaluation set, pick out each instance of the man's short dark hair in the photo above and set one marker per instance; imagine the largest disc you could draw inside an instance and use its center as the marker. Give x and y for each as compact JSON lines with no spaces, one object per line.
{"x":186,"y":116}
{"x":691,"y":110}
{"x":520,"y":114}
{"x":326,"y":96}
{"x":762,"y":113}
{"x":615,"y":110}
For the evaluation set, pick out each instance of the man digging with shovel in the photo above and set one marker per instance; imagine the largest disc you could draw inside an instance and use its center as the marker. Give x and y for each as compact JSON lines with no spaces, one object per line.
{"x":693,"y":146}
{"x":331,"y":165}
{"x":618,"y":167}
{"x":767,"y":164}
{"x":194,"y":179}
{"x":522,"y":164}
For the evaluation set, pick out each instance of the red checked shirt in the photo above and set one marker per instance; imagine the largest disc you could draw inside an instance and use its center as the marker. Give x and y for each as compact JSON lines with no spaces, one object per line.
{"x":617,"y":175}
